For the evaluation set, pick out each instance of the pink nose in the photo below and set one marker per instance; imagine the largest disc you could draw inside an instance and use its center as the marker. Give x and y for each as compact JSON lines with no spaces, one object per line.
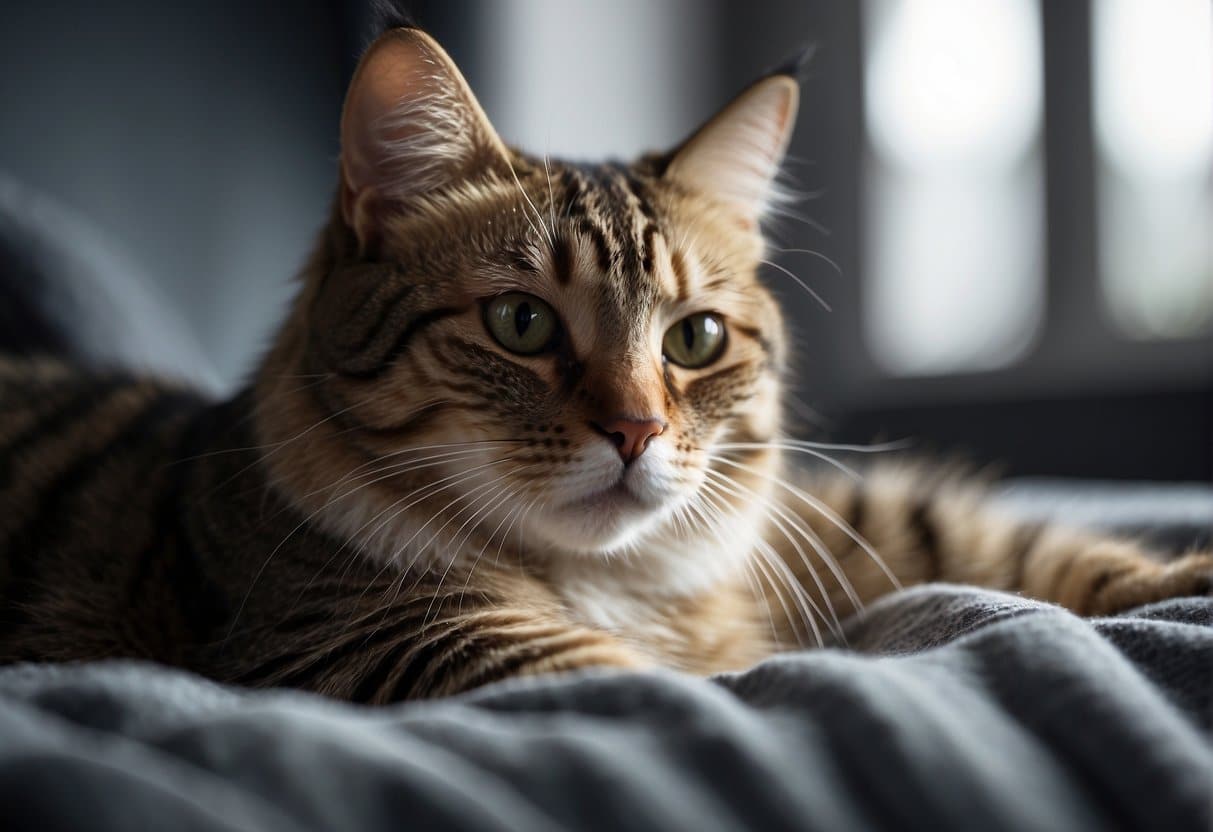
{"x":631,"y":436}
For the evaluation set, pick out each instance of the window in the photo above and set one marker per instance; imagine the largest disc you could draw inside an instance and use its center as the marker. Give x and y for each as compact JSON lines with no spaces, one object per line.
{"x":1153,"y":113}
{"x":954,"y":196}
{"x":957,"y":276}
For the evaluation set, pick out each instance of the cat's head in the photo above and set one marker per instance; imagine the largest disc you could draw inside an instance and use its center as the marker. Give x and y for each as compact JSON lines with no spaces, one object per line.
{"x":500,"y":352}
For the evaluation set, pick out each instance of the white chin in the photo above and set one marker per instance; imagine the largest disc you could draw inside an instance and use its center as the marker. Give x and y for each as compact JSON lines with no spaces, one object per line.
{"x":601,"y":524}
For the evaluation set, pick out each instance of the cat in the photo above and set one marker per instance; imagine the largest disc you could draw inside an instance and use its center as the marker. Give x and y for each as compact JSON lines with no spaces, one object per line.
{"x":524,"y":416}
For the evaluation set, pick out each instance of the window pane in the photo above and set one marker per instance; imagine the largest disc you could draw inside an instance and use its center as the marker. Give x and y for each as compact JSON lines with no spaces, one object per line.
{"x":1153,"y":76}
{"x":953,"y":189}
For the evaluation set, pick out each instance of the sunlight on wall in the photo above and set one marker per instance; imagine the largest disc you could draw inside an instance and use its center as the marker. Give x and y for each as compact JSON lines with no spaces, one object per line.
{"x":1153,"y":95}
{"x":953,"y":183}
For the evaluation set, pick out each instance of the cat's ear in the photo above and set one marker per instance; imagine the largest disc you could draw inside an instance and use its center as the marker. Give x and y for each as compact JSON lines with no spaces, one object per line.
{"x":735,"y":156}
{"x":410,"y":126}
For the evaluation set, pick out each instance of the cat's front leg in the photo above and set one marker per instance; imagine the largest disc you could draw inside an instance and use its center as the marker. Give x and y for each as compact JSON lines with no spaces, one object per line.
{"x":420,"y":645}
{"x":503,"y":645}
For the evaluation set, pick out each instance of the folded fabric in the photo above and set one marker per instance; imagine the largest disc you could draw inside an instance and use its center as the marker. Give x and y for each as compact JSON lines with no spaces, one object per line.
{"x":948,"y":708}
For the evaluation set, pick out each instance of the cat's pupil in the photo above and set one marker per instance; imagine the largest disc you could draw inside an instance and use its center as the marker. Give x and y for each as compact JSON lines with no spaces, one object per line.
{"x":688,"y":334}
{"x":522,"y":318}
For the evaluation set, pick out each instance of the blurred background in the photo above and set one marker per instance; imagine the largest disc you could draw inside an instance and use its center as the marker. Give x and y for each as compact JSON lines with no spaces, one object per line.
{"x":1008,"y":204}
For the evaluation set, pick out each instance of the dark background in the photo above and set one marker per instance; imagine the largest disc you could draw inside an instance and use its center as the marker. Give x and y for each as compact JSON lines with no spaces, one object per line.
{"x":201,"y":136}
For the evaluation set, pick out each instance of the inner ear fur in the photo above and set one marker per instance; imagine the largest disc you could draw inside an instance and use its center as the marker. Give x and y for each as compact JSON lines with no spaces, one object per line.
{"x":410,"y":126}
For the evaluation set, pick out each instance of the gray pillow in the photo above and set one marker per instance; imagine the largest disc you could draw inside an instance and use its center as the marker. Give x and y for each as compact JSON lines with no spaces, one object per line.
{"x":68,"y":291}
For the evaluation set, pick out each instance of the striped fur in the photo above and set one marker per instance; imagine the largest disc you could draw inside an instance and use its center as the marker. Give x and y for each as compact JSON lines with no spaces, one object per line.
{"x":398,"y":507}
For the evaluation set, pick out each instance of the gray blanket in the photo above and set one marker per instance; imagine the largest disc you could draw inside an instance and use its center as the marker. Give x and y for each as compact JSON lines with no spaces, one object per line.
{"x":950,"y":708}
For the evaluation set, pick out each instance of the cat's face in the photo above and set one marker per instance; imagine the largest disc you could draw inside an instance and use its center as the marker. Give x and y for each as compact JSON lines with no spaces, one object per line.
{"x":517,"y":353}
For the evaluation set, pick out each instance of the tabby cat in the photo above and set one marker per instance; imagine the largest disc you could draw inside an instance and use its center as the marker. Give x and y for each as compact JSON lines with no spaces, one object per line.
{"x":523,"y":417}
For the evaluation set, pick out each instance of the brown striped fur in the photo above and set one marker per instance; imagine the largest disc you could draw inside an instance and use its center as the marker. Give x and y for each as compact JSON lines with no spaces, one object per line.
{"x":399,"y":507}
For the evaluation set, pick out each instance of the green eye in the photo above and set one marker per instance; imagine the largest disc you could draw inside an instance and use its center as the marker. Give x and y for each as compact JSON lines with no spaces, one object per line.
{"x":522,"y":323}
{"x":695,"y":341}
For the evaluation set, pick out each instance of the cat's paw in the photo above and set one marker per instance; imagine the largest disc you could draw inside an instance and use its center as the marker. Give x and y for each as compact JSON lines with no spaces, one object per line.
{"x":1144,"y":583}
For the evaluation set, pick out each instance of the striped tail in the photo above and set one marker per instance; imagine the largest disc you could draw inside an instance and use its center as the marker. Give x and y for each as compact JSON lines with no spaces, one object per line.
{"x":906,"y":526}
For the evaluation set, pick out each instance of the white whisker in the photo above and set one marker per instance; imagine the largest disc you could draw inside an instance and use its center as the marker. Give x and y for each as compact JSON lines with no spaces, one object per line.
{"x":782,"y":446}
{"x":547,"y":234}
{"x":782,"y":520}
{"x":837,"y":268}
{"x":488,"y":505}
{"x":799,"y":282}
{"x":769,"y":560}
{"x":822,"y":508}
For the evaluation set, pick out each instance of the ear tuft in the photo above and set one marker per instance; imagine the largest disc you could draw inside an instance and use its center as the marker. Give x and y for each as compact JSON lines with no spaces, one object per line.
{"x":410,"y":126}
{"x":385,"y":15}
{"x":735,"y":157}
{"x":795,"y":65}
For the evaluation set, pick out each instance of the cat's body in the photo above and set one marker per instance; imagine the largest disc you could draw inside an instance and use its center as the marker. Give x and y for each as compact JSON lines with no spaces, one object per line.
{"x":523,"y":417}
